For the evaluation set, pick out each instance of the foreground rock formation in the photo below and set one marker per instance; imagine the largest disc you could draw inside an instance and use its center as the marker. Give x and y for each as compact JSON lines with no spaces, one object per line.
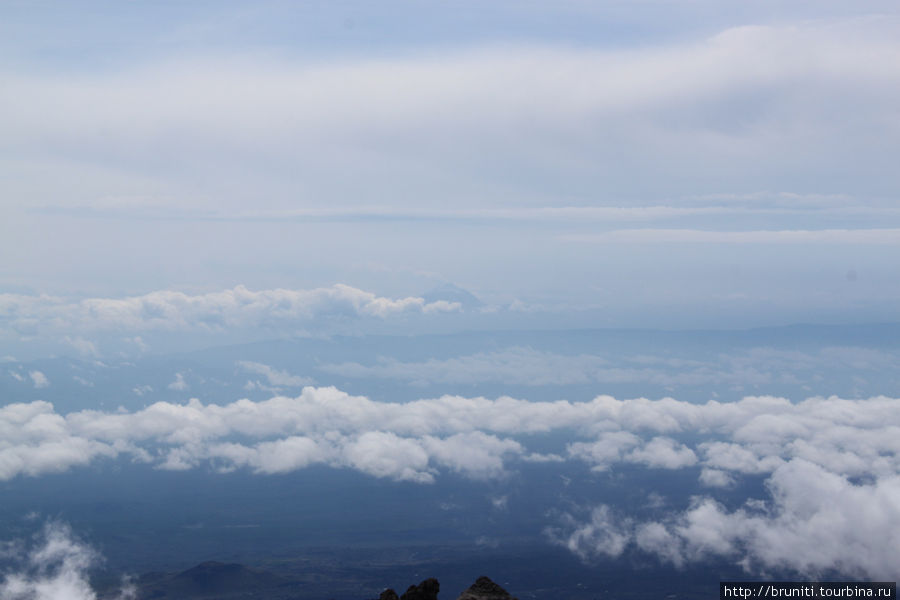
{"x":485,"y":589}
{"x":482,"y":589}
{"x":427,"y":590}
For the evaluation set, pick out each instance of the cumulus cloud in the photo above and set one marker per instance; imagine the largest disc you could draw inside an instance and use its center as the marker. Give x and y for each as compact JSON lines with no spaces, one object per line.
{"x":216,"y":311}
{"x":853,"y":438}
{"x":815,"y":522}
{"x":54,"y":566}
{"x":831,"y":465}
{"x":600,"y":534}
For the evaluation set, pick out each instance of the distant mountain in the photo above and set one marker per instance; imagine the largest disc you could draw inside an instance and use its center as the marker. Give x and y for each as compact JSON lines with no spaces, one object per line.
{"x":453,"y":293}
{"x":209,"y":580}
{"x":231,"y":581}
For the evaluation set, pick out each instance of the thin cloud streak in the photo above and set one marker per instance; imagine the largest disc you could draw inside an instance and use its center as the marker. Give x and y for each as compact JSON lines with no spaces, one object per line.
{"x":888,"y":236}
{"x":563,"y":214}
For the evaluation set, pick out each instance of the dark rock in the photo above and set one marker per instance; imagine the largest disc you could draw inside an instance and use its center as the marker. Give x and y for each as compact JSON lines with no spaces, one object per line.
{"x":427,"y":590}
{"x":485,"y":589}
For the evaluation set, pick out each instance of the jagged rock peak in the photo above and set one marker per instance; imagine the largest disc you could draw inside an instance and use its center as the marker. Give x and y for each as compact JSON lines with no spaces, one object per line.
{"x":485,"y":589}
{"x":427,"y":590}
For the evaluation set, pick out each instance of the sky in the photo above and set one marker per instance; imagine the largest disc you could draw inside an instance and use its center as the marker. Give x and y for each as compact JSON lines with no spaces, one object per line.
{"x":653,"y":163}
{"x":395,"y":201}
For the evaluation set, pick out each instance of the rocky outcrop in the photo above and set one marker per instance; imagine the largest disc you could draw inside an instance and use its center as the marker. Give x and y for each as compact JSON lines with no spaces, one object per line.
{"x":427,"y":590}
{"x":485,"y":589}
{"x":482,"y":589}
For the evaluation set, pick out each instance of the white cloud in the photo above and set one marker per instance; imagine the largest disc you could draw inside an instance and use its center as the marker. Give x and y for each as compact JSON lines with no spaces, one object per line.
{"x":276,"y":378}
{"x":385,"y":454}
{"x":815,"y":522}
{"x":475,"y":454}
{"x":216,"y":311}
{"x":55,"y":567}
{"x":832,"y":465}
{"x":603,"y":534}
{"x":716,"y":478}
{"x":756,"y":435}
{"x":179,"y":384}
{"x":39,"y":379}
{"x":664,"y":453}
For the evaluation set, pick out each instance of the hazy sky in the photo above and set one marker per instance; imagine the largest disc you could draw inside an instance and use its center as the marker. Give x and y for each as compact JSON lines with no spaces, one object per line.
{"x":176,"y":175}
{"x":558,"y":156}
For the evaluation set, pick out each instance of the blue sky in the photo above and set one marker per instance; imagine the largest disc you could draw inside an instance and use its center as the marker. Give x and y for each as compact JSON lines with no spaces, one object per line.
{"x":575,"y":157}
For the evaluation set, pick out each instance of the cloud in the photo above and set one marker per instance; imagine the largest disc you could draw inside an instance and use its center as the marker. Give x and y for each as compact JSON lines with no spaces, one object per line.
{"x":885,"y":236}
{"x":763,"y":204}
{"x":55,"y":566}
{"x":831,"y":465}
{"x":179,"y":385}
{"x":716,"y":478}
{"x":39,"y":379}
{"x":601,"y":534}
{"x":665,"y":453}
{"x":853,"y":438}
{"x":216,"y":311}
{"x":746,"y":95}
{"x":815,"y":522}
{"x":276,"y":378}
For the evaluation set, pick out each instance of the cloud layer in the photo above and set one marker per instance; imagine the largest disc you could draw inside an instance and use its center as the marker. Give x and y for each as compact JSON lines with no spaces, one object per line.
{"x":832,"y":465}
{"x":177,"y":311}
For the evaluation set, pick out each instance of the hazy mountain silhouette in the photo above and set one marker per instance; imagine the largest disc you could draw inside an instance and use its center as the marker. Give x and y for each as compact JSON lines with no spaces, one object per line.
{"x":207,"y":580}
{"x":232,"y":581}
